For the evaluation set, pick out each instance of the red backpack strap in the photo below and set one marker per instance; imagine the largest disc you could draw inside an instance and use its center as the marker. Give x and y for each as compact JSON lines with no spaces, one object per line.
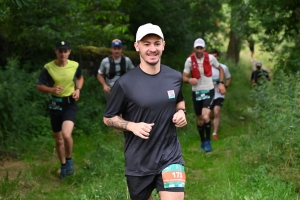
{"x":195,"y":68}
{"x":206,"y":65}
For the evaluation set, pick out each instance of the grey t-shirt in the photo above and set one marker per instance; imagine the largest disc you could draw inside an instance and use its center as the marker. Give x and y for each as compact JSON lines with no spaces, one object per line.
{"x":104,"y":69}
{"x":141,"y":97}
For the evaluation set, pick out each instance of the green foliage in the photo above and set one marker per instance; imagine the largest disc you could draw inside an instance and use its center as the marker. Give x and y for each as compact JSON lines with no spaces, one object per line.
{"x":91,"y":107}
{"x":203,"y":26}
{"x":108,"y":174}
{"x":273,"y":23}
{"x":9,"y":187}
{"x":242,"y":182}
{"x":31,"y":31}
{"x":274,"y":137}
{"x":172,"y":16}
{"x":21,"y":106}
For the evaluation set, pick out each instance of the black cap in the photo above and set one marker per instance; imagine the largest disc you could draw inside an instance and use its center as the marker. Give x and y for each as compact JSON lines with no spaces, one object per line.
{"x":63,"y":44}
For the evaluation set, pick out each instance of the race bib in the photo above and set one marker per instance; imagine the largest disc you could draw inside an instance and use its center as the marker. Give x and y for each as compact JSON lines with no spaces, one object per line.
{"x":202,"y":94}
{"x":174,"y":176}
{"x":55,"y":103}
{"x":215,"y":80}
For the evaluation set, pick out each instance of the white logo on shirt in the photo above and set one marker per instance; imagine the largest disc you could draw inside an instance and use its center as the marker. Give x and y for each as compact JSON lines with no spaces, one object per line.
{"x":171,"y":94}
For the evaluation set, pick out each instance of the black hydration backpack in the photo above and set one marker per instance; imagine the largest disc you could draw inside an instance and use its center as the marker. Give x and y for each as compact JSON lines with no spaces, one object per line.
{"x":112,"y":67}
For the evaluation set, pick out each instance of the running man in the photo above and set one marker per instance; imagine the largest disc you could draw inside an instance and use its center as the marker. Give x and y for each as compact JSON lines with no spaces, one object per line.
{"x":113,"y":67}
{"x":199,"y":65}
{"x":148,"y":105}
{"x":62,"y":79}
{"x":219,"y":98}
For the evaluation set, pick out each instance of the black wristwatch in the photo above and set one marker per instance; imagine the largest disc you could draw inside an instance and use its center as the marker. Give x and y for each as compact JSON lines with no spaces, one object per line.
{"x":184,"y":110}
{"x":218,"y":82}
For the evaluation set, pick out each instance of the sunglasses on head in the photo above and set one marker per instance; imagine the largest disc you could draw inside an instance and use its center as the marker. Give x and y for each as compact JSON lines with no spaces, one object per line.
{"x":116,"y":40}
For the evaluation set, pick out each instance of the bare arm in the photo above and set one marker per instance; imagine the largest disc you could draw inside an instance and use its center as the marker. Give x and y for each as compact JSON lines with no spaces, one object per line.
{"x":102,"y":81}
{"x":187,"y":79}
{"x":140,"y":129}
{"x":52,"y":90}
{"x":228,"y":81}
{"x":179,"y":118}
{"x":252,"y":81}
{"x":221,"y":87}
{"x":221,"y":73}
{"x":116,"y":122}
{"x":79,"y":84}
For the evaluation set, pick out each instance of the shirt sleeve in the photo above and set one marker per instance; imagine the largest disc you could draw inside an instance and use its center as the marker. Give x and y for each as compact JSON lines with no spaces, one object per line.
{"x":129,"y":64}
{"x":187,"y":65}
{"x":226,"y":72}
{"x":116,"y":102}
{"x":78,"y":73}
{"x":213,"y":61}
{"x":252,"y":76}
{"x":180,"y":95}
{"x":102,"y":67}
{"x":44,"y":77}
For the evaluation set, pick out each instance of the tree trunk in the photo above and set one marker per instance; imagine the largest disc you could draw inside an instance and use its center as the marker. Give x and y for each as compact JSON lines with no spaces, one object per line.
{"x":234,"y":47}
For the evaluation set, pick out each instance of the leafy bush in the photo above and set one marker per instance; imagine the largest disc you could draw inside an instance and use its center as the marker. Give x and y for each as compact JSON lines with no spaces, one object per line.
{"x":22,"y":108}
{"x":274,"y":136}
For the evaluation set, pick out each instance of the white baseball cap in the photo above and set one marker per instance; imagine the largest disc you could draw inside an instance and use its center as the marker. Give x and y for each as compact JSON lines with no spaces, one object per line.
{"x":148,"y":29}
{"x":199,"y":43}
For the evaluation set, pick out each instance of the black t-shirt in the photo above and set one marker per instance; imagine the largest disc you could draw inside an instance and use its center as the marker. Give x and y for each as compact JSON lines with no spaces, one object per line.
{"x":141,"y":97}
{"x":259,"y":76}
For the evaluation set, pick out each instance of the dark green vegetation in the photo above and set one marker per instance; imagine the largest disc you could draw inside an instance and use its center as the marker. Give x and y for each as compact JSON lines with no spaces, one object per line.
{"x":29,"y":29}
{"x":257,"y":156}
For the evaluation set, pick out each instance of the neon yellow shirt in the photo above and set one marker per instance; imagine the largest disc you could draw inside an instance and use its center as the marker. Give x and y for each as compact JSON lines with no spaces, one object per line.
{"x":64,"y":76}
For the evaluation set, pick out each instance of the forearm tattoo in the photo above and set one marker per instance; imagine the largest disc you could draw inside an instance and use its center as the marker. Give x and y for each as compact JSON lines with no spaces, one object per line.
{"x":119,"y":124}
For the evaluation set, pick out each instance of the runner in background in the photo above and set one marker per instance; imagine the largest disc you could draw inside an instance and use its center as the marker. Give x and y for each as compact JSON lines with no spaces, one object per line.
{"x":148,"y":105}
{"x":199,"y":66}
{"x":218,"y":98}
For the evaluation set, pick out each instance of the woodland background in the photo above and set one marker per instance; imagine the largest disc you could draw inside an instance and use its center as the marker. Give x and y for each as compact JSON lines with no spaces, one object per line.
{"x":257,"y":156}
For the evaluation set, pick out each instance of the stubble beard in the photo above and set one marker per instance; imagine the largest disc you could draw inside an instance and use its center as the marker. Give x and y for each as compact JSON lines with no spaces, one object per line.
{"x":199,"y":55}
{"x":149,"y":63}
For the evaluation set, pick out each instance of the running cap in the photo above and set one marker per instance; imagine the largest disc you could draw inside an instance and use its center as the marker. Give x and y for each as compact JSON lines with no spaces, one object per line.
{"x":116,"y":43}
{"x":199,"y":43}
{"x":63,"y":44}
{"x":258,"y":64}
{"x":148,"y":29}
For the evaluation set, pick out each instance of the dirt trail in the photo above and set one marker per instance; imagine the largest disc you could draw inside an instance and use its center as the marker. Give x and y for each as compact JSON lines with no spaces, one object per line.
{"x":12,"y":167}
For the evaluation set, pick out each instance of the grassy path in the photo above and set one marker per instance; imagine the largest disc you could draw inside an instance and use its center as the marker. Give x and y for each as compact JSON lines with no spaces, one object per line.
{"x":206,"y":171}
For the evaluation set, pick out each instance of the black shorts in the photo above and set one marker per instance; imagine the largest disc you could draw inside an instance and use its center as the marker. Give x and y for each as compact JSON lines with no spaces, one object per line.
{"x":67,"y":112}
{"x":141,"y":187}
{"x":218,"y":102}
{"x":207,"y":103}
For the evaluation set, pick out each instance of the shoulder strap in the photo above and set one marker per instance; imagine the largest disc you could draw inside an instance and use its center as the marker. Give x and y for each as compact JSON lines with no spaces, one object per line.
{"x":195,"y":68}
{"x":123,"y":65}
{"x":206,"y":65}
{"x":112,"y":68}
